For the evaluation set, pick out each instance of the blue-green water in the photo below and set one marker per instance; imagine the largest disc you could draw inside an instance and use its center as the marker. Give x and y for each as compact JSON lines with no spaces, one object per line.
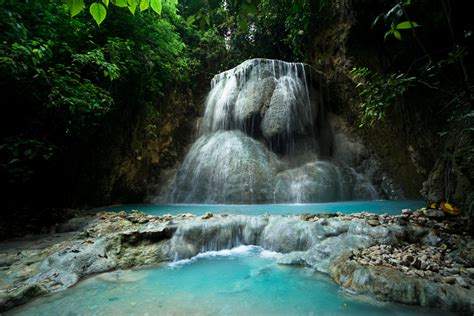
{"x":378,"y":207}
{"x":242,"y":281}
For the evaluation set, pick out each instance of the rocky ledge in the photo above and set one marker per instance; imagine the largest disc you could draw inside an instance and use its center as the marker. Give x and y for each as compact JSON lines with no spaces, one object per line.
{"x":421,"y":258}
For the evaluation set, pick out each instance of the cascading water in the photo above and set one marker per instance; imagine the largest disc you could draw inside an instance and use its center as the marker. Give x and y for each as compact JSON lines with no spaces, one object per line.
{"x":265,"y":137}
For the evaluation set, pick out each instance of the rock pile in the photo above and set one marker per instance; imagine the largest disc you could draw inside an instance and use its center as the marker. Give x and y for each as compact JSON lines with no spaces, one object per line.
{"x":434,"y":263}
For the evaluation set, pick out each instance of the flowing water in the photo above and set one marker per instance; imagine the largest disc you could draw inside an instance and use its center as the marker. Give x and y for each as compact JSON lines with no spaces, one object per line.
{"x":265,"y":137}
{"x":241,"y":281}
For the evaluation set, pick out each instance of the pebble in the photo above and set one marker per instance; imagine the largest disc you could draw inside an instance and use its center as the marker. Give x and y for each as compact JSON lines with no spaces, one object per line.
{"x":434,"y":214}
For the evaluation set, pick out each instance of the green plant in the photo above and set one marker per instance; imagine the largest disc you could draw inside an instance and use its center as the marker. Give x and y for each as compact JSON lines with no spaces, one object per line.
{"x":393,"y":16}
{"x":378,"y":92}
{"x":98,"y":9}
{"x":19,"y":155}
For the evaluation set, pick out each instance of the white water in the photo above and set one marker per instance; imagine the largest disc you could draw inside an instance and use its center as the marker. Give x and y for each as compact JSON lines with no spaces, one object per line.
{"x":265,"y":137}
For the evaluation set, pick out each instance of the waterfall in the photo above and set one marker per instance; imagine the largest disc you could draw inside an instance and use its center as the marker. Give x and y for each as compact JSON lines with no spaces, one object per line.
{"x":265,"y":137}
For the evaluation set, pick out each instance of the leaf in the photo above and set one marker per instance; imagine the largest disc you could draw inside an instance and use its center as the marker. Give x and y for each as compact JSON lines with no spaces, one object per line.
{"x":190,"y":20}
{"x":407,"y":25}
{"x":75,"y":6}
{"x":449,"y":208}
{"x":98,"y":12}
{"x":132,"y":5}
{"x":120,"y":3}
{"x":243,"y":24}
{"x":144,"y":4}
{"x":106,"y":2}
{"x":397,"y":35}
{"x":156,"y":5}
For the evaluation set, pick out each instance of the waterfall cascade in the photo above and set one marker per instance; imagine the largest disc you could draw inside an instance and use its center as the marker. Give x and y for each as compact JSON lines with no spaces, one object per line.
{"x":266,"y":137}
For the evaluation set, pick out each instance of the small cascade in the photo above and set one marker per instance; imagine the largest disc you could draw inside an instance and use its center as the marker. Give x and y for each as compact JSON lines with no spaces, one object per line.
{"x":280,"y":234}
{"x":265,"y":137}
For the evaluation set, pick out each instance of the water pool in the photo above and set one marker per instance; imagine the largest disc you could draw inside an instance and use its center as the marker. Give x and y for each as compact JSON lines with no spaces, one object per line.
{"x":242,"y":281}
{"x":378,"y":207}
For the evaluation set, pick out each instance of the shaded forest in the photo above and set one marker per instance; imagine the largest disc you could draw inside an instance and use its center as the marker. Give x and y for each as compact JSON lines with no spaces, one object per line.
{"x":92,"y":114}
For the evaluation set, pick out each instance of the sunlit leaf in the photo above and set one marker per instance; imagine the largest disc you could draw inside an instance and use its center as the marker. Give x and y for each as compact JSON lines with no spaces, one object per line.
{"x":132,"y":5}
{"x":98,"y":12}
{"x":106,"y":2}
{"x":156,"y":5}
{"x":450,"y":209}
{"x":75,"y":6}
{"x":407,"y":25}
{"x":144,"y":4}
{"x":397,"y":35}
{"x":120,"y":3}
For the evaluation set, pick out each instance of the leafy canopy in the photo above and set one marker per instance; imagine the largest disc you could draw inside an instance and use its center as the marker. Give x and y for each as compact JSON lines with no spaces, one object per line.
{"x":99,"y":9}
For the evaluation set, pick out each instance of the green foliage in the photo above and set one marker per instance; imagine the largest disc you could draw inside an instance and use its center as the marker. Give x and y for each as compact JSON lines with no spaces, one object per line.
{"x":258,"y":28}
{"x":379,"y":93}
{"x":156,"y":6}
{"x":75,"y":6}
{"x":98,"y":10}
{"x":395,"y":29}
{"x":393,"y":16}
{"x":69,"y":84}
{"x":20,"y":155}
{"x":96,"y":59}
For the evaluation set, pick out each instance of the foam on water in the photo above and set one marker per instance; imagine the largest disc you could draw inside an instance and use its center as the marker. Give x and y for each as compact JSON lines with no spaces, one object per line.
{"x":239,"y":251}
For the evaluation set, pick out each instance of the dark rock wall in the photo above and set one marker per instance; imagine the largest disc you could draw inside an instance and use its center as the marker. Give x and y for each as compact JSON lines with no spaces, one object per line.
{"x":129,"y":159}
{"x":407,"y":142}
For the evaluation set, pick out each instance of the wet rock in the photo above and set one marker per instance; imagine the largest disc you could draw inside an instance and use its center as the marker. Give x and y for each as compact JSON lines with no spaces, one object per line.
{"x":449,"y":280}
{"x":434,"y":214}
{"x":462,"y":282}
{"x":470,"y":272}
{"x":293,"y":258}
{"x":388,"y":284}
{"x":207,"y":215}
{"x":20,"y":296}
{"x":373,"y":222}
{"x":122,"y":214}
{"x":408,"y":260}
{"x":392,"y":262}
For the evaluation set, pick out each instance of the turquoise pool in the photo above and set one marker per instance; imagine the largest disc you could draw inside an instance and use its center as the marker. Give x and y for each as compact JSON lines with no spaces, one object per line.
{"x":378,"y":207}
{"x":241,"y":281}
